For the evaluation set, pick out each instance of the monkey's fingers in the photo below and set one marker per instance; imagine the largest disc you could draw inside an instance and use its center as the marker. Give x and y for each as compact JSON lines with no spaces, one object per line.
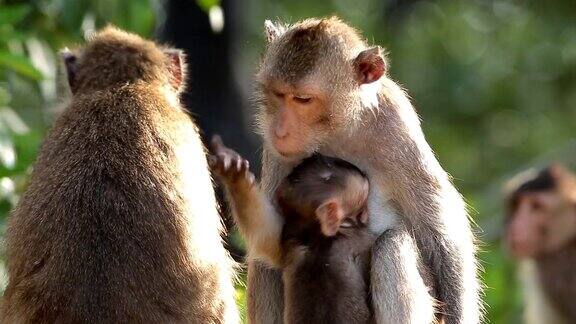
{"x":212,"y":161}
{"x":250,"y":178}
{"x":216,"y":144}
{"x":224,"y":161}
{"x":239,"y":163}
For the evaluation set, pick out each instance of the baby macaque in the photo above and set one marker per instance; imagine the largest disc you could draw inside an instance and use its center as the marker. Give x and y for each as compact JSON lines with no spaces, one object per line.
{"x":324,"y":246}
{"x":325,"y":243}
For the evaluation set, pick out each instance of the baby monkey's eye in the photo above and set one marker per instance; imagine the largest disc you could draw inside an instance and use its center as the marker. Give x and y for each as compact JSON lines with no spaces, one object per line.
{"x":303,"y":99}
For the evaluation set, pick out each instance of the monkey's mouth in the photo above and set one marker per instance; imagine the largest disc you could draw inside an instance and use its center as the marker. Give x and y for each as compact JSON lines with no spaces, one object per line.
{"x":292,"y":156}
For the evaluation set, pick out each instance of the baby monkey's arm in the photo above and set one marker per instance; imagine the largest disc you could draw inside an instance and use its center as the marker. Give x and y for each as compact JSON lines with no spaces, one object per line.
{"x":254,"y":214}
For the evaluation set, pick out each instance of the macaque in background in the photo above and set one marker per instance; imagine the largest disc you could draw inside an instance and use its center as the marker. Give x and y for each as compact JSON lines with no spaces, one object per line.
{"x":324,"y":248}
{"x":119,"y":223}
{"x":322,"y":89}
{"x":541,"y":234}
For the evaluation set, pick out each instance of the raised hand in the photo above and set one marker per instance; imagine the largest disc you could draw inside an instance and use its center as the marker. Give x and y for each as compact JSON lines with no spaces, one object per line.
{"x":230,"y":166}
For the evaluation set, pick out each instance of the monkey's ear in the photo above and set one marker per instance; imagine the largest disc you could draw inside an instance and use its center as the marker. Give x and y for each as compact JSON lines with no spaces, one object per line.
{"x":370,"y":65}
{"x":177,"y":68}
{"x":330,"y":216}
{"x":272,"y":30}
{"x":71,"y":65}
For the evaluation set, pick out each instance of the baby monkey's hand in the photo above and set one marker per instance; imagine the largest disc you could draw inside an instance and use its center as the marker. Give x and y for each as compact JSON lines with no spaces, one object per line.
{"x":230,"y":166}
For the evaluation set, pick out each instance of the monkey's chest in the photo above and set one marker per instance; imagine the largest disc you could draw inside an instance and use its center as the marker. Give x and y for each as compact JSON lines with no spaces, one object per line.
{"x":559,"y":280}
{"x":328,"y":285}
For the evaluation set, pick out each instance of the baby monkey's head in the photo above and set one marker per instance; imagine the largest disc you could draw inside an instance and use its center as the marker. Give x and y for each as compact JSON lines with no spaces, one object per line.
{"x":325,"y":191}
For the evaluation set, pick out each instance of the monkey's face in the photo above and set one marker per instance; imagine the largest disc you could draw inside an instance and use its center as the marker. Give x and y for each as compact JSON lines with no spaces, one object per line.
{"x":296,"y":117}
{"x":310,"y":82}
{"x":346,"y":208}
{"x":540,"y":222}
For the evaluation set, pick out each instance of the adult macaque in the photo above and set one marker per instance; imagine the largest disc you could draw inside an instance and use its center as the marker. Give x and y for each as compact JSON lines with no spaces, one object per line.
{"x":541,"y":234}
{"x":322,"y":89}
{"x":119,"y":222}
{"x":324,"y":248}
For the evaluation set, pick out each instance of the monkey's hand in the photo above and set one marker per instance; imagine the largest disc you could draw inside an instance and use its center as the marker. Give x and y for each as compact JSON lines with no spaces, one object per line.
{"x":254,"y":214}
{"x":230,"y":166}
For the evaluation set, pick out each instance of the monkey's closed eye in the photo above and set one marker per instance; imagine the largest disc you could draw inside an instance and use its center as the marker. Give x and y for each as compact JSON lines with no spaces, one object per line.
{"x":303,"y":99}
{"x":347,"y":223}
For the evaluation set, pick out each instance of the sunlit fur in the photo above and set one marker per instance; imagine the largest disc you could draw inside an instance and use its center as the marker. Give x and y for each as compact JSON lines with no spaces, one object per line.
{"x":119,"y":222}
{"x":387,"y":143}
{"x":537,"y":306}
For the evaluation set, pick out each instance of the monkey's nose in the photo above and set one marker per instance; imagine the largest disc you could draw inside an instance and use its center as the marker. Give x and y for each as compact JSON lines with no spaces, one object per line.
{"x":281,"y":133}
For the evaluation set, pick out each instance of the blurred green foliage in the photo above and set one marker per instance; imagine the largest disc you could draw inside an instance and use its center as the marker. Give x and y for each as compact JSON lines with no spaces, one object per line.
{"x":31,"y":33}
{"x":494,"y":82}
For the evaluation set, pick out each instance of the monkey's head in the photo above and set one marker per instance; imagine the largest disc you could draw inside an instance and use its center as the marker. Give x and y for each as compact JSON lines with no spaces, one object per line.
{"x":325,"y":192}
{"x":313,"y":79}
{"x":113,"y":57}
{"x":541,"y":213}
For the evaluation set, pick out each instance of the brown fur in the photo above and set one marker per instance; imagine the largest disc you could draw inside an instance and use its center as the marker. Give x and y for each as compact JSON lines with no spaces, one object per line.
{"x":375,"y":127}
{"x":326,"y":279}
{"x":559,"y":280}
{"x":119,"y":222}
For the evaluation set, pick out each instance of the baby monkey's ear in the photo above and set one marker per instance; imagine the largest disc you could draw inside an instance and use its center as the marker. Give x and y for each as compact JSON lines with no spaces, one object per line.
{"x":330,"y":216}
{"x":177,"y":67}
{"x":370,"y":65}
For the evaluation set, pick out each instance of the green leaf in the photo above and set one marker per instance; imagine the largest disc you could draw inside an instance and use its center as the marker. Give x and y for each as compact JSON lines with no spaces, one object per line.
{"x":13,"y":14}
{"x":20,"y":64}
{"x":207,"y":4}
{"x":7,"y":153}
{"x":140,"y":18}
{"x":7,"y":33}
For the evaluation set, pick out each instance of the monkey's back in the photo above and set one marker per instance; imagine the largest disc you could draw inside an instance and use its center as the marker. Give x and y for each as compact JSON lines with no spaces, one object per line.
{"x":109,"y":227}
{"x":329,"y":282}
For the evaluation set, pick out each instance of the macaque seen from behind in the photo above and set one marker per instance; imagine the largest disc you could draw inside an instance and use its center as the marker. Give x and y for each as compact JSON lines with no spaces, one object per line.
{"x":119,"y":222}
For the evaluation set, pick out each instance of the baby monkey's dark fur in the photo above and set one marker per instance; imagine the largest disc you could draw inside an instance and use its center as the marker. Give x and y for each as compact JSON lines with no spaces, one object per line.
{"x":326,"y":278}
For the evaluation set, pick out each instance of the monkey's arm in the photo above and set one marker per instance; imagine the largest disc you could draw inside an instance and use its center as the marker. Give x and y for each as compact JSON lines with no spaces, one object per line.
{"x":399,"y":294}
{"x":405,"y":168}
{"x":436,"y":214}
{"x":253,"y":212}
{"x":265,"y":287}
{"x":257,"y":221}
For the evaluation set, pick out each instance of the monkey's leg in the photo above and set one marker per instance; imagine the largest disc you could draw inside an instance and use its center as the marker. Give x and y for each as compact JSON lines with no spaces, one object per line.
{"x":265,"y":294}
{"x":399,"y":294}
{"x":454,"y":267}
